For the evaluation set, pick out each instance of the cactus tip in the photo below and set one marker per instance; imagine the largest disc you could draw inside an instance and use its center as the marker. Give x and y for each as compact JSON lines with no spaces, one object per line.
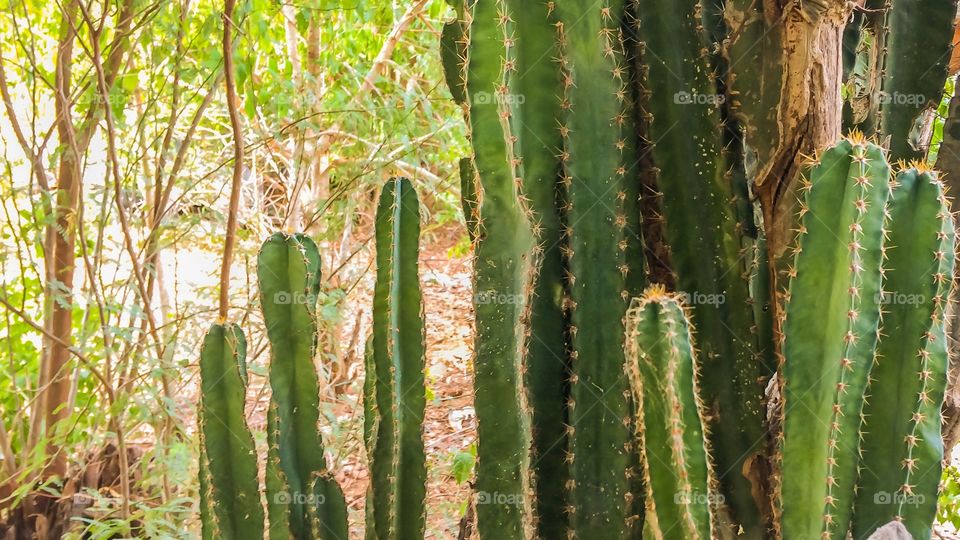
{"x":656,"y":292}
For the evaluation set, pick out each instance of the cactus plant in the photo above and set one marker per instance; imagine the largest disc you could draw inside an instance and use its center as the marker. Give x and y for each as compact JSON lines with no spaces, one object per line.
{"x":902,"y":450}
{"x":228,"y":446}
{"x":594,"y":164}
{"x":659,"y":349}
{"x":396,"y":395}
{"x":503,"y":244}
{"x":830,"y":333}
{"x":288,"y":270}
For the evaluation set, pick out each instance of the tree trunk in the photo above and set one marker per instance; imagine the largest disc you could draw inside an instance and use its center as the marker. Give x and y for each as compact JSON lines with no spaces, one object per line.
{"x":55,"y":374}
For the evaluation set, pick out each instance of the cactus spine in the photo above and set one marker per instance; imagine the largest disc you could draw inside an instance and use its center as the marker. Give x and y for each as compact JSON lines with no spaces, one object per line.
{"x":902,"y":449}
{"x":229,"y":453}
{"x":503,"y":247}
{"x":288,"y":270}
{"x":659,"y":349}
{"x":831,"y":330}
{"x":397,"y":462}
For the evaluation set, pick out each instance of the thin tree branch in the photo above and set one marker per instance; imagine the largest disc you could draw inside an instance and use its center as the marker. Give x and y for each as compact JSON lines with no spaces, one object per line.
{"x":231,"y":236}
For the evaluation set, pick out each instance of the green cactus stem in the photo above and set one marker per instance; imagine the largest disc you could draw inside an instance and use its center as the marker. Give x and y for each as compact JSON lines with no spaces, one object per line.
{"x":397,"y":462}
{"x":595,"y":161}
{"x":902,"y":449}
{"x":503,"y":273}
{"x":831,"y":323}
{"x":535,"y":115}
{"x":328,"y":510}
{"x":659,"y":348}
{"x":288,"y":270}
{"x":228,"y":445}
{"x":278,"y":508}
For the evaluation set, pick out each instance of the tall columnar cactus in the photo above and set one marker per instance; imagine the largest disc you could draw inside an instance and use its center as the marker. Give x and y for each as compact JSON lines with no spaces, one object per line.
{"x":534,"y":122}
{"x":700,"y":183}
{"x":594,"y":161}
{"x":832,"y":315}
{"x":229,"y":454}
{"x":398,"y":466}
{"x":902,"y":449}
{"x":288,"y":270}
{"x":659,"y":348}
{"x":504,"y":250}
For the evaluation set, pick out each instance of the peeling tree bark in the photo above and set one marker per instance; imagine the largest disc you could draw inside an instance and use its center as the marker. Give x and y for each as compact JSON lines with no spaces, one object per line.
{"x":788,"y":71}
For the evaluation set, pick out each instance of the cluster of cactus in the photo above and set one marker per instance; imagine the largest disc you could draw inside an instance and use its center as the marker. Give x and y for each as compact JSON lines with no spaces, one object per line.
{"x":394,"y":393}
{"x":618,"y":153}
{"x":860,"y":442}
{"x":620,"y":145}
{"x":304,"y":501}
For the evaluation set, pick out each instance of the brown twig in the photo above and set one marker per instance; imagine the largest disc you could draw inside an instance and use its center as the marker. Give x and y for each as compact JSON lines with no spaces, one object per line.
{"x":231,"y":236}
